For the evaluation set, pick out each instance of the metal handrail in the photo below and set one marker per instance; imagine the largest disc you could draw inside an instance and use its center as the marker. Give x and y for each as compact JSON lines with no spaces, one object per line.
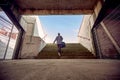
{"x":9,"y":26}
{"x":6,"y":20}
{"x":84,"y":38}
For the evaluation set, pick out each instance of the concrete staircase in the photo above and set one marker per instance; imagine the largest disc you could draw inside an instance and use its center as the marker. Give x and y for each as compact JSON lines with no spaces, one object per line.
{"x":71,"y":51}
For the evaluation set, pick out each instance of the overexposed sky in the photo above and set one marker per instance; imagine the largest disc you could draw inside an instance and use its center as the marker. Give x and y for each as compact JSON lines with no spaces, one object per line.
{"x":67,"y":25}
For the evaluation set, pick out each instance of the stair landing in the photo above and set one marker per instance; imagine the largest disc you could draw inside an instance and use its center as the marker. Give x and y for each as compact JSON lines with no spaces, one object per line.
{"x":60,"y":69}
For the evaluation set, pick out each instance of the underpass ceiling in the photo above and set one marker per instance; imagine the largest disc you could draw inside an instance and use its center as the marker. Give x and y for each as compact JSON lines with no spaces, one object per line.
{"x":56,"y":6}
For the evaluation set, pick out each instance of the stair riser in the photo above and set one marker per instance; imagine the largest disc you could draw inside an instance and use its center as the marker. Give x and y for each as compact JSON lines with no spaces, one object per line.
{"x":72,"y":51}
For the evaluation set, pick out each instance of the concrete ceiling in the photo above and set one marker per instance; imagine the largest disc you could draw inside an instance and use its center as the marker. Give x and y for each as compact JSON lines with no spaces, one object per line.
{"x":56,"y":6}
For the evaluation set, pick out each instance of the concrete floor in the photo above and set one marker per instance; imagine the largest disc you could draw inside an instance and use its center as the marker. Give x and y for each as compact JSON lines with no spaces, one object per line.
{"x":60,"y":69}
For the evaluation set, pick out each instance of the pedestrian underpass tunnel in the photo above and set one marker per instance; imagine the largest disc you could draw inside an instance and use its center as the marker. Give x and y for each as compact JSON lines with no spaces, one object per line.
{"x":23,"y":41}
{"x":22,"y":35}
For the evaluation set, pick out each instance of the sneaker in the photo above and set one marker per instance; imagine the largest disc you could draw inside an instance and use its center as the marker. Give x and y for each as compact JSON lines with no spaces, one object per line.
{"x":59,"y":54}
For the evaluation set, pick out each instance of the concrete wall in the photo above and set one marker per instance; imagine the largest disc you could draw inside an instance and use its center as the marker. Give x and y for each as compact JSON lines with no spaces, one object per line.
{"x":106,"y":34}
{"x":33,"y":42}
{"x":38,"y":31}
{"x":85,"y":36}
{"x":97,"y":8}
{"x":30,"y":49}
{"x":84,"y":33}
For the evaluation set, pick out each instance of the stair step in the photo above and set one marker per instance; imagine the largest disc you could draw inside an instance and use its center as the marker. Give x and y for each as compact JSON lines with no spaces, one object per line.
{"x":71,"y":51}
{"x":67,"y":57}
{"x":67,"y":54}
